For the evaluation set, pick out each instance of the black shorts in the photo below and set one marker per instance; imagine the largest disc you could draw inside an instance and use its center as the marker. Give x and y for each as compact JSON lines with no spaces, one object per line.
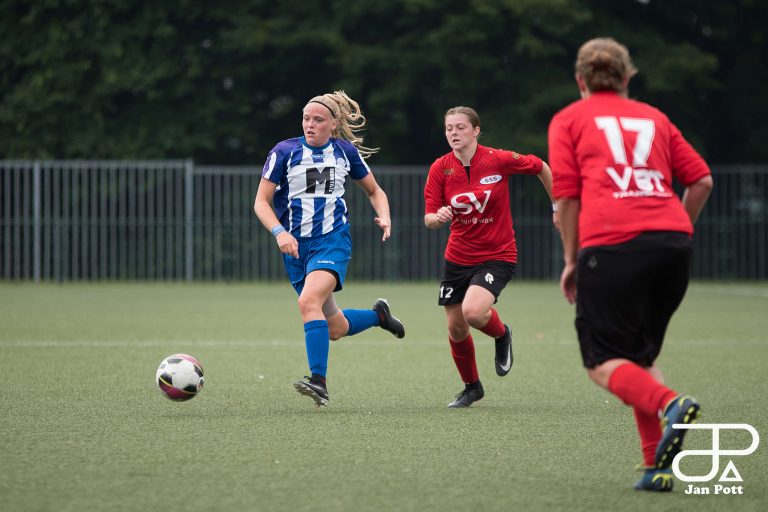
{"x":626,"y":294}
{"x":491,"y":275}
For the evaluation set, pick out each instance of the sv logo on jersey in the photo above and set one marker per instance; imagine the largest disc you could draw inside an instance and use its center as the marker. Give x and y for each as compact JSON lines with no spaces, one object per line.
{"x":465,"y":208}
{"x":315,"y":176}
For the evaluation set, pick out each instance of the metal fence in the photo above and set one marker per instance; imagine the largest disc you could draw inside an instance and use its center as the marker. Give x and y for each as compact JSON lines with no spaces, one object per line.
{"x":172,"y":220}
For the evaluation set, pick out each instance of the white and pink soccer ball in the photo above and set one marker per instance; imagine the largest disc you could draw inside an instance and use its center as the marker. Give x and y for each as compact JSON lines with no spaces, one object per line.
{"x":180,"y":377}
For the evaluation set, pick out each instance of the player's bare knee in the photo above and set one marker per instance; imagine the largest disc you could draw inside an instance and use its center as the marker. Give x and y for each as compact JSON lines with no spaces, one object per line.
{"x":308,"y":304}
{"x":476,"y":317}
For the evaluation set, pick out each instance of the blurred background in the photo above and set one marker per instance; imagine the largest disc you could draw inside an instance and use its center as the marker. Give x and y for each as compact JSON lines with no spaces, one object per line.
{"x":132,"y":134}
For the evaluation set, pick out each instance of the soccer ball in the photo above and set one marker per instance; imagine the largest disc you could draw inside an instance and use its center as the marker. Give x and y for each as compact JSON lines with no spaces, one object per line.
{"x":180,"y":377}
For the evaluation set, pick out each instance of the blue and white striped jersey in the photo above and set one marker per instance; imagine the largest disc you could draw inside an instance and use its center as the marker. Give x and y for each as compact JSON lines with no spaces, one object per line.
{"x":309,"y":200}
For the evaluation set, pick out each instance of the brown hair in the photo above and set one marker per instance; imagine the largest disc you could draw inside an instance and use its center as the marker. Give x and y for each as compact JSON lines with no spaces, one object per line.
{"x":604,"y":64}
{"x":350,"y":119}
{"x":467,"y":111}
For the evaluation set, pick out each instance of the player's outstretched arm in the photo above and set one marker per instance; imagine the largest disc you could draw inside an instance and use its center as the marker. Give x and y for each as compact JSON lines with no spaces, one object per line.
{"x":262,"y":206}
{"x":380,"y":203}
{"x":546,"y":179}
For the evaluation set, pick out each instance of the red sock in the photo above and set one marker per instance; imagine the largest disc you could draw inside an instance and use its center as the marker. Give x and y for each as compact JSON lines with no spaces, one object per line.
{"x":494,"y":328}
{"x":463,"y":353}
{"x":650,"y":434}
{"x":636,"y":387}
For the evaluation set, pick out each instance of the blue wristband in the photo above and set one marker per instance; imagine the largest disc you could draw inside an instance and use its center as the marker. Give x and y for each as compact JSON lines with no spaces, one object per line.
{"x":277,"y":230}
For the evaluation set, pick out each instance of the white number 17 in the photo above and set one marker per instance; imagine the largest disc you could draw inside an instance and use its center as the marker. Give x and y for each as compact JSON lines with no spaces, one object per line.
{"x":645,"y":129}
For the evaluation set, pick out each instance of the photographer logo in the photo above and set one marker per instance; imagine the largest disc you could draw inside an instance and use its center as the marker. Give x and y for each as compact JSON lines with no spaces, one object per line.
{"x":729,"y":474}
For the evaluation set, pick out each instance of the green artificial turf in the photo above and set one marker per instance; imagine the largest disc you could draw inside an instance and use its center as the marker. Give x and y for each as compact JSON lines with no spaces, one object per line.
{"x":83,"y":427}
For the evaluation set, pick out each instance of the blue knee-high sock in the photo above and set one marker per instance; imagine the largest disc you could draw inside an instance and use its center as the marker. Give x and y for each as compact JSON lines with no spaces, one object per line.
{"x":360,"y":320}
{"x":317,"y":342}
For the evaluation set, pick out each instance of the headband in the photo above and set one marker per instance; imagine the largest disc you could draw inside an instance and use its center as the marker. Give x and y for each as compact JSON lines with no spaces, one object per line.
{"x":321,"y":101}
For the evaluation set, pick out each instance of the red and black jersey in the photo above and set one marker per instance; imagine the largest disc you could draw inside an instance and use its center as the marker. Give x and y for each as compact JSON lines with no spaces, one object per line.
{"x":618,"y":156}
{"x":481,"y":229}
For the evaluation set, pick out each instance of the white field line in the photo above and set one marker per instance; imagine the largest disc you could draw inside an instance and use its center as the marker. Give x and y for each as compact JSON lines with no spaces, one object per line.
{"x":179,"y":343}
{"x":147,"y":343}
{"x":415,"y":343}
{"x":741,"y":291}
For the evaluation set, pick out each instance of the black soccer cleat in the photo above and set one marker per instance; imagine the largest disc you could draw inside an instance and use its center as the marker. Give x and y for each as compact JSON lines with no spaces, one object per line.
{"x":504,"y":352}
{"x":313,"y":389}
{"x":471,"y":394}
{"x":655,"y":480}
{"x":386,"y":320}
{"x":681,"y":410}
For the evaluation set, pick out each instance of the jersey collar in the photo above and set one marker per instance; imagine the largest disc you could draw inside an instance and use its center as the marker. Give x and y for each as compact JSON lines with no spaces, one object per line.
{"x":478,"y":150}
{"x":315,"y":148}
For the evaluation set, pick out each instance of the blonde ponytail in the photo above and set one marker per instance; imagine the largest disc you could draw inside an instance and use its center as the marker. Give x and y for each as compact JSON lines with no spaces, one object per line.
{"x":349,"y":117}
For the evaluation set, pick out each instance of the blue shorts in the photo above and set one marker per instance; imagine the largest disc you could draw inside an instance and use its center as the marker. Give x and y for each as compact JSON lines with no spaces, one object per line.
{"x":330,"y":252}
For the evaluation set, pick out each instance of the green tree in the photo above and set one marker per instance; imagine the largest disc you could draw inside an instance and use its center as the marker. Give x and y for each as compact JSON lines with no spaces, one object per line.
{"x":222,"y":82}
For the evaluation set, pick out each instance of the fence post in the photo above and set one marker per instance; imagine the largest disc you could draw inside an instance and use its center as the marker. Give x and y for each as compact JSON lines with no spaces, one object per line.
{"x":188,"y":218}
{"x":36,"y":199}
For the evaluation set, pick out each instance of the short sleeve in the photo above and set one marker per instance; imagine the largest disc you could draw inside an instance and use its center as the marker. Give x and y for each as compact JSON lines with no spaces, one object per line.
{"x":515,"y":163}
{"x":566,"y":177}
{"x":687,"y":165}
{"x":276,"y":165}
{"x":433,"y":190}
{"x":358,"y":169}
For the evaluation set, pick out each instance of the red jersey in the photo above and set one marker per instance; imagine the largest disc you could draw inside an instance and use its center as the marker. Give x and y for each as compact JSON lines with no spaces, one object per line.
{"x":481,"y":228}
{"x":618,"y":156}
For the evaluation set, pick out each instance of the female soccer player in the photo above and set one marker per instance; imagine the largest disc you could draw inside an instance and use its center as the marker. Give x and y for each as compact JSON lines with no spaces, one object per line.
{"x":627,"y":241}
{"x":304,"y":179}
{"x":468,"y":188}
